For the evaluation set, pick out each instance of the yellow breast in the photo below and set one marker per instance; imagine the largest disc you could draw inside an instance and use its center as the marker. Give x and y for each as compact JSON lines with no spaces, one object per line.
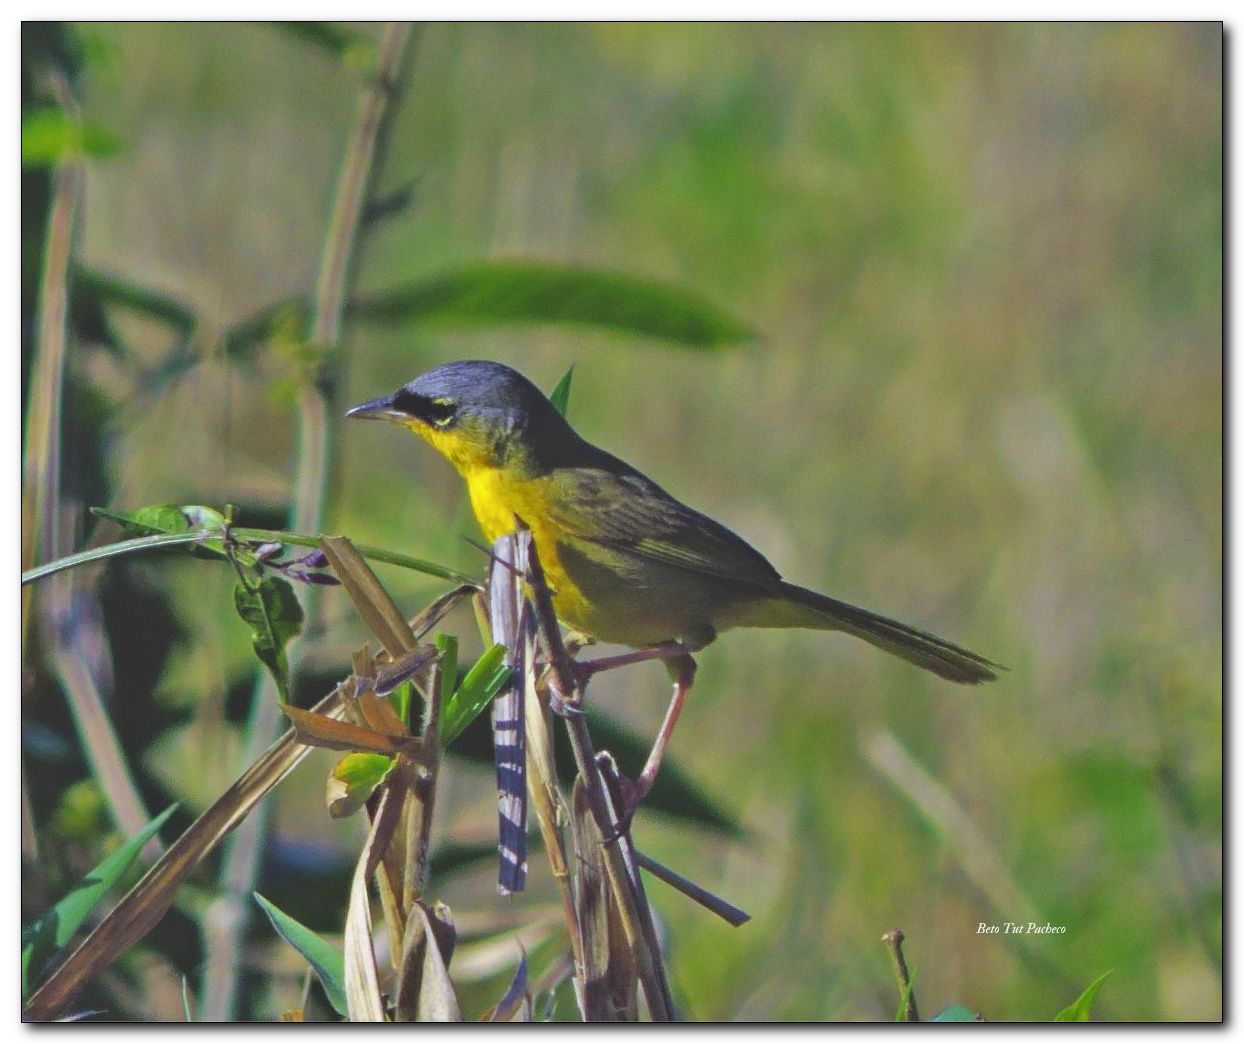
{"x":496,"y":498}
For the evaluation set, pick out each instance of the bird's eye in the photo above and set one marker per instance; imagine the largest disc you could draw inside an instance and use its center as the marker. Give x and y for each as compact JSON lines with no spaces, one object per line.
{"x":440,"y":412}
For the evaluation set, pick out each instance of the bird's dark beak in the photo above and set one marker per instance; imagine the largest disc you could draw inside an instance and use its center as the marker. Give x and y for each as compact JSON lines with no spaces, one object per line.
{"x":378,"y":409}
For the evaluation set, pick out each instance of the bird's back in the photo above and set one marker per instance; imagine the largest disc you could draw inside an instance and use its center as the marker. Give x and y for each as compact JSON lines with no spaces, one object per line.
{"x":627,"y":562}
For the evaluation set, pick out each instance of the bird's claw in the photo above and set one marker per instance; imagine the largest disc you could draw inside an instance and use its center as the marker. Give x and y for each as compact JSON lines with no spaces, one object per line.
{"x":623,"y":827}
{"x":563,"y":707}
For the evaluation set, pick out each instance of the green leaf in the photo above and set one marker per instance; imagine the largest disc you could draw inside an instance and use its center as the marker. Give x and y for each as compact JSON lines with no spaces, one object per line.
{"x":448,"y":645}
{"x":955,"y":1013}
{"x":49,"y":135}
{"x":402,"y":697}
{"x":561,"y":394}
{"x":56,"y":927}
{"x":282,"y":321}
{"x":354,"y":778}
{"x":482,"y":682}
{"x":328,"y":962}
{"x":158,"y":518}
{"x":274,"y":616}
{"x":529,"y":291}
{"x":171,"y":519}
{"x":1081,"y":1008}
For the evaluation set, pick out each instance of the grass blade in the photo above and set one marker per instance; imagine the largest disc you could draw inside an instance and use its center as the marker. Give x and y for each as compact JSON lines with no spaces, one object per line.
{"x":328,"y":962}
{"x":482,"y":682}
{"x":374,"y":605}
{"x":561,"y":394}
{"x":1081,"y":1009}
{"x":56,"y":927}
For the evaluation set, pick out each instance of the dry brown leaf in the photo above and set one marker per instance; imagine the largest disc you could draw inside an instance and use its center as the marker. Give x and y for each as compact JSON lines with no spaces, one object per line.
{"x":380,"y":715}
{"x":379,"y":613}
{"x":363,"y":998}
{"x":318,"y":730}
{"x":425,"y":993}
{"x":593,"y":896}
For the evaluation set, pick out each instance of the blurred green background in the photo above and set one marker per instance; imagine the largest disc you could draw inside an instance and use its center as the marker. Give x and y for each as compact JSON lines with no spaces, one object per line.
{"x":984,"y":264}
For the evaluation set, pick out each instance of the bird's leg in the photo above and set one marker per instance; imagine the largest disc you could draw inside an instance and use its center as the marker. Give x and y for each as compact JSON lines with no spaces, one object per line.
{"x":682,"y":668}
{"x":584,"y":669}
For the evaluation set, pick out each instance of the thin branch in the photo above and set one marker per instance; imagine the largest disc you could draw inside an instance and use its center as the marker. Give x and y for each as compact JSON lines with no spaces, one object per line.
{"x":77,"y":647}
{"x":41,"y":449}
{"x":98,"y":554}
{"x":728,"y":912}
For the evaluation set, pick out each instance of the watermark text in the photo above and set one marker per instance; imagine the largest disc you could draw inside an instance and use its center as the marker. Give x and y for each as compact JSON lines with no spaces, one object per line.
{"x":1020,"y":928}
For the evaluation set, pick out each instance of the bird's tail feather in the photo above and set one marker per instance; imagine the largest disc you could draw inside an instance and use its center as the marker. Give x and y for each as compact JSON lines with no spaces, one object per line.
{"x":798,"y":607}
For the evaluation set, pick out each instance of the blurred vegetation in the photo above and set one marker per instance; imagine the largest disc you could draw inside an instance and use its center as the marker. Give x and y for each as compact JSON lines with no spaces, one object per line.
{"x":983,"y":265}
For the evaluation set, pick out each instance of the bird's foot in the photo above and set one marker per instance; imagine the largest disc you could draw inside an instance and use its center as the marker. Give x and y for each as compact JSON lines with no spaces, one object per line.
{"x":565,"y":704}
{"x":563,"y":707}
{"x":630,"y":805}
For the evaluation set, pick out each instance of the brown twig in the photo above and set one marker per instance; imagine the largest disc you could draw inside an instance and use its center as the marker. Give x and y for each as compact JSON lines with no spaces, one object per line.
{"x":894,"y":944}
{"x":421,"y":778}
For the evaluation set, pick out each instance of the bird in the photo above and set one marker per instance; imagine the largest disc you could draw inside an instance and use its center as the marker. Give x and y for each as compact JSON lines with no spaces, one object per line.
{"x":625,"y":561}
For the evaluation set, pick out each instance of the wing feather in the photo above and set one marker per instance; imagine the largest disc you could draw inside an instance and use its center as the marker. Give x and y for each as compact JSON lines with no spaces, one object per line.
{"x":619,"y":508}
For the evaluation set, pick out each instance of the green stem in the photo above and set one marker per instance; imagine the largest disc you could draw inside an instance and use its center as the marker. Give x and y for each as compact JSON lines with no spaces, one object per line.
{"x":146,"y":543}
{"x":377,"y":554}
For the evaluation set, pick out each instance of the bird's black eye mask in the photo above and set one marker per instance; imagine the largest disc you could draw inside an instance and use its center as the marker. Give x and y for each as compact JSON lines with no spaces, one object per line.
{"x":438,"y":412}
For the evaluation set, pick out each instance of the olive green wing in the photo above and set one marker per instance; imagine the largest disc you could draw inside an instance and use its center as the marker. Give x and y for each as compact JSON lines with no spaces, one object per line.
{"x":617,"y":507}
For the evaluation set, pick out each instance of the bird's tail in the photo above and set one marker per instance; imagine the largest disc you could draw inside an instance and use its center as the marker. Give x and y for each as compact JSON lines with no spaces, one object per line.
{"x":794,"y":606}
